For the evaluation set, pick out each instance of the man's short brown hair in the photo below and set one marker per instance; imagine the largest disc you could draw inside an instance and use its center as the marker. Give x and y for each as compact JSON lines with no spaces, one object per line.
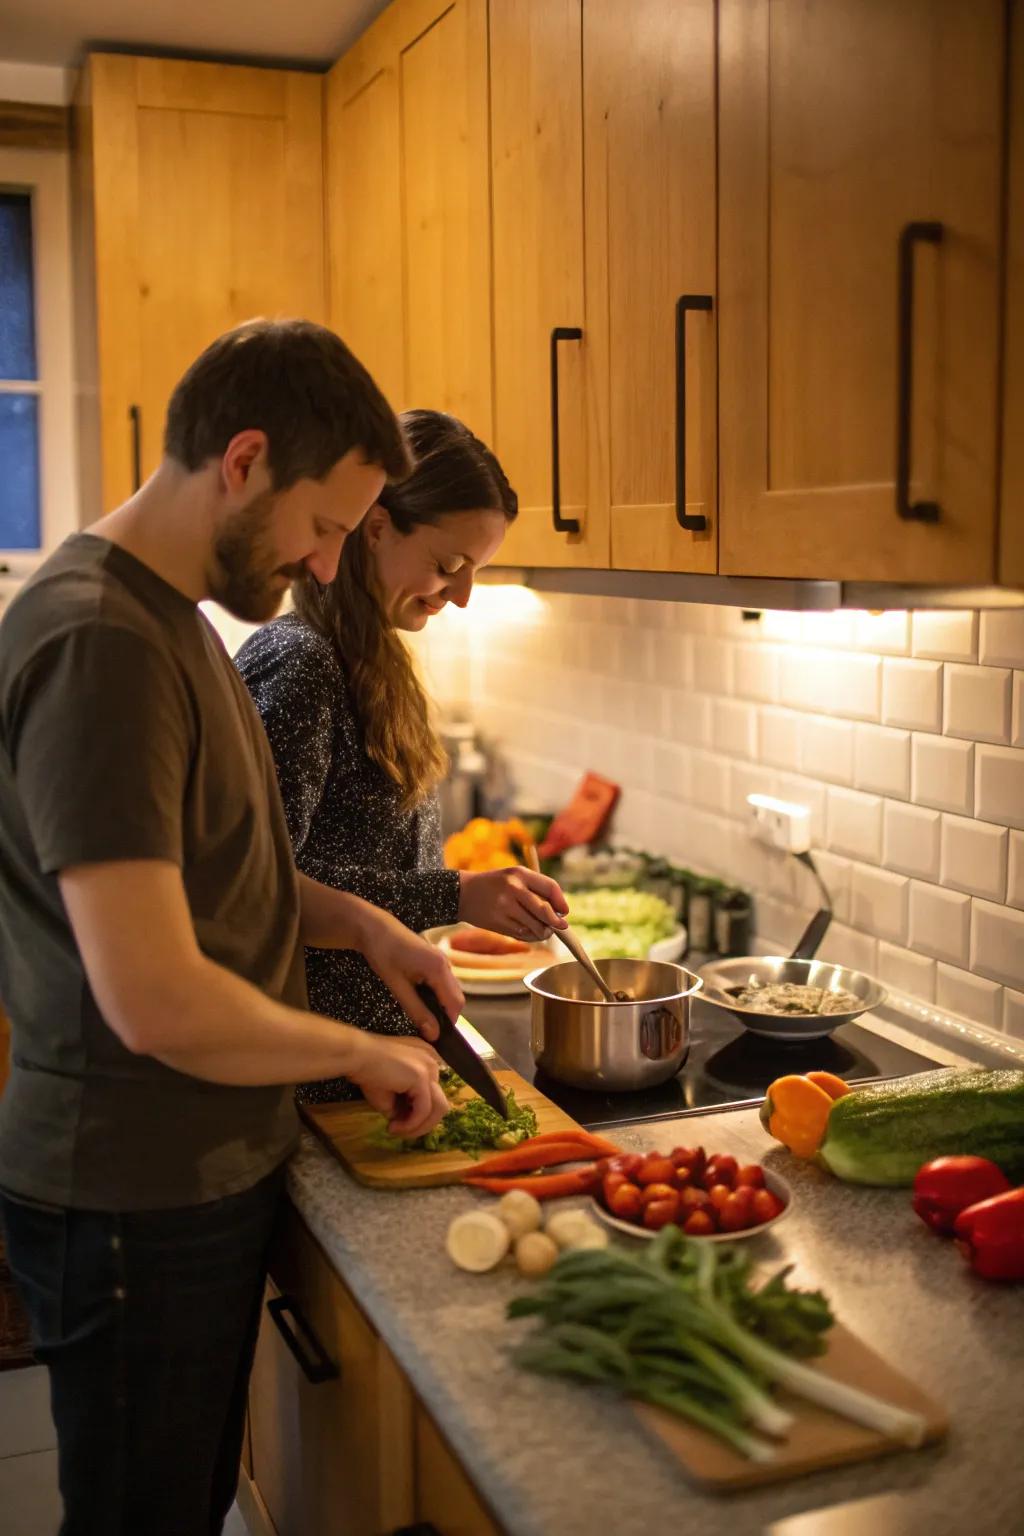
{"x":298,"y":383}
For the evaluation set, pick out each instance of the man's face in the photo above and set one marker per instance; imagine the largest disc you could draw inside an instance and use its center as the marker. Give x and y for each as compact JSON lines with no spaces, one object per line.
{"x":263,"y":545}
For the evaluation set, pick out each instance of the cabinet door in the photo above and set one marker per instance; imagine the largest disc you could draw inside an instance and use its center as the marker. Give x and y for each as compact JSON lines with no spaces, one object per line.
{"x":537,"y":229}
{"x":1011,"y":522}
{"x":445,"y":1498}
{"x":335,"y":1457}
{"x":208,"y":211}
{"x":843,"y":122}
{"x":649,"y":105}
{"x":408,"y":206}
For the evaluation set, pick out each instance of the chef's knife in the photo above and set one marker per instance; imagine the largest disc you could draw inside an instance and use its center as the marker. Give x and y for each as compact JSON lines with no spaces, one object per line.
{"x":461,"y":1057}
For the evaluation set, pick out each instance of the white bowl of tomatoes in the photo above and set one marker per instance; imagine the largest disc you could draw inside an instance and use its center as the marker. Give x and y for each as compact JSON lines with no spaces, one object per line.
{"x":715,"y":1198}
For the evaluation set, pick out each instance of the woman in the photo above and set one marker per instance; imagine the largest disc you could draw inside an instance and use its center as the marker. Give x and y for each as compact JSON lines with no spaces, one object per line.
{"x":357,"y":757}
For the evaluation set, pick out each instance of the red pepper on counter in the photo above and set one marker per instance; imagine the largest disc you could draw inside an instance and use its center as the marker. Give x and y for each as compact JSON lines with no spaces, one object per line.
{"x":948,"y":1185}
{"x":991,"y":1236}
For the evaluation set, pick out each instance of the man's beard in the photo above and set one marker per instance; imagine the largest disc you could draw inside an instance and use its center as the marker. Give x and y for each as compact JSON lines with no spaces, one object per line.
{"x":243,"y":577}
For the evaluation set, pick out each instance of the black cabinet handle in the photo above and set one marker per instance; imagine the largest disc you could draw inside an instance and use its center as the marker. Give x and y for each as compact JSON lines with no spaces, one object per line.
{"x":423,"y":1528}
{"x":698,"y":522}
{"x":317,"y":1369}
{"x":562,"y":524}
{"x":911,"y":235}
{"x":135,"y":417}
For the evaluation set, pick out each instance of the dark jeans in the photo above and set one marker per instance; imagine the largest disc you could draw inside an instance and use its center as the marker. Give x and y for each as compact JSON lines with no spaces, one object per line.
{"x":147,"y":1323}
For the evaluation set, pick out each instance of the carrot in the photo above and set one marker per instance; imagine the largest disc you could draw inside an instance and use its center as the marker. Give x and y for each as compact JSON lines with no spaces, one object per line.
{"x":528,"y":1155}
{"x":544,"y":1186}
{"x":599,"y":1145}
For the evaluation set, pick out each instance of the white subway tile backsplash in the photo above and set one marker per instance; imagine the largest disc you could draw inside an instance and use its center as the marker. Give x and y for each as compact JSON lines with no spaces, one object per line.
{"x":757,"y":673}
{"x":671,"y":766}
{"x":813,"y":795}
{"x":1013,"y":1013}
{"x":945,"y":635}
{"x":1017,"y":726}
{"x":912,"y":694}
{"x":977,"y":703}
{"x":971,"y":996}
{"x":855,"y":824}
{"x":906,"y":971}
{"x":836,"y":628}
{"x":826,"y":749}
{"x":686,"y":717}
{"x":847,"y":946}
{"x":883,"y":633}
{"x":734,"y":727}
{"x":942,"y":773}
{"x":997,"y":943}
{"x":805,"y":679}
{"x":835,"y":871}
{"x":749,"y":779}
{"x":709,"y":783}
{"x":856,"y":687}
{"x":882,"y":760}
{"x":940,"y":923}
{"x":879,"y":903}
{"x":779,"y":737}
{"x":912,"y":839}
{"x":1002,"y":637}
{"x":1000,"y":785}
{"x":974,"y":857}
{"x":1015,"y":884}
{"x":712,"y":665}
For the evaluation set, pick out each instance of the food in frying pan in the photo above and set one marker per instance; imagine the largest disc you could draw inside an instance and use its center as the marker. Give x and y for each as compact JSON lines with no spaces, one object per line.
{"x":799,"y":997}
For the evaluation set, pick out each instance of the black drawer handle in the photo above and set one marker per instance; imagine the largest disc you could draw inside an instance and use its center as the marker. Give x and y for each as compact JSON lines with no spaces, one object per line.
{"x":696,"y":523}
{"x":562,"y":524}
{"x":135,"y":417}
{"x":911,"y":235}
{"x":318,"y":1369}
{"x":423,"y":1528}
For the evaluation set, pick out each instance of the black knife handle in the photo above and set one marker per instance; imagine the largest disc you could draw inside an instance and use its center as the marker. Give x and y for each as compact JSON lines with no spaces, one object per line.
{"x":433,"y":1002}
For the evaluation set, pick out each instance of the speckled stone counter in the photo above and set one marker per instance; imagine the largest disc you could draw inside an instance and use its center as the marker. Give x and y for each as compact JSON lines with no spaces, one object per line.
{"x":553,"y":1459}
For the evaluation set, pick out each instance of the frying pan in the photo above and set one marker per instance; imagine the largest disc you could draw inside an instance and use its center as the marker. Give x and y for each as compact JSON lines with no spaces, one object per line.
{"x":725,"y":979}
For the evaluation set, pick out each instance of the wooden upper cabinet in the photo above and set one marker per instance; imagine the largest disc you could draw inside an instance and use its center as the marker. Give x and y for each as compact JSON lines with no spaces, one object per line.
{"x":842,"y":124}
{"x":408,"y":213}
{"x":200,"y":206}
{"x":649,"y":105}
{"x":537,"y":211}
{"x":1011,"y":520}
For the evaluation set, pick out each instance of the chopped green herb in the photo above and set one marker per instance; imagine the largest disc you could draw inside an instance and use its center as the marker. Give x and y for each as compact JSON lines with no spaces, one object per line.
{"x":473,"y":1127}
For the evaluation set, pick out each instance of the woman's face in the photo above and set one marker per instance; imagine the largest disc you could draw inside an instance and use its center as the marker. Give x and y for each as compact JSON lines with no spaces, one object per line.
{"x":419,"y":572}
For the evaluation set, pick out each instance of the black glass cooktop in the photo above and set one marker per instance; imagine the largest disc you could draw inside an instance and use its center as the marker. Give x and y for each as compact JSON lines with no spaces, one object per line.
{"x":726,"y":1065}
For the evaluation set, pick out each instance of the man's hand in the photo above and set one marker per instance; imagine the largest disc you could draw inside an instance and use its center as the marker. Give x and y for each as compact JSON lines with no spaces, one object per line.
{"x":404,"y":961}
{"x":515,"y":902}
{"x":399,"y":1077}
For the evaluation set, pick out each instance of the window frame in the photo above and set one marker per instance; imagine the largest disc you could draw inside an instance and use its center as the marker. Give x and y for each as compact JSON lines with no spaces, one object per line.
{"x":44,"y":175}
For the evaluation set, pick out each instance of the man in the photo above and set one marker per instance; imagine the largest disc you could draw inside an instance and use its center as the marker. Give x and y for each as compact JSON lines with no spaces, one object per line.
{"x":152,"y":927}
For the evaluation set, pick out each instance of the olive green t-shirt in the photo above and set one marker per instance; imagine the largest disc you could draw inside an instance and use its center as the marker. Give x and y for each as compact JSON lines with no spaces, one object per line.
{"x":126,"y":733}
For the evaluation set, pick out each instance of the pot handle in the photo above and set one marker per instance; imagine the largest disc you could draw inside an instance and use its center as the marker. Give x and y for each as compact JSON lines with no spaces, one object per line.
{"x":812,"y":935}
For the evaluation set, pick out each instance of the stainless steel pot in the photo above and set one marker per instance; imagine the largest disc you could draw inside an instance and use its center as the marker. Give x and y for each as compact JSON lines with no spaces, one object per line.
{"x":588,"y":1043}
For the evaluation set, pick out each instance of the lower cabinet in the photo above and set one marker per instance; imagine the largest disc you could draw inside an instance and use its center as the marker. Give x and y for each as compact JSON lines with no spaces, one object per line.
{"x":338,"y":1443}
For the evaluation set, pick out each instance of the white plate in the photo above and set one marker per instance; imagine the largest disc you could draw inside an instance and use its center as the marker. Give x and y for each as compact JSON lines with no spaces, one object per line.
{"x":777,"y":1185}
{"x":502,"y":984}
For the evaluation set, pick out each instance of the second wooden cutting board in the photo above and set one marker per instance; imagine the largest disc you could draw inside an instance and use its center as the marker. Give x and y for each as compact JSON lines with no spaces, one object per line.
{"x":347,"y":1130}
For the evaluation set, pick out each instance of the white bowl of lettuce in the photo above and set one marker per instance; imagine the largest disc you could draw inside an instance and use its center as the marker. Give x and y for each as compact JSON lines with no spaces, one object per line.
{"x":626,"y":924}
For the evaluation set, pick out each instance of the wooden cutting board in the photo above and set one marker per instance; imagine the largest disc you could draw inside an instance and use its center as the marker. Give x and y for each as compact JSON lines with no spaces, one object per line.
{"x":817,"y":1439}
{"x":346,"y":1130}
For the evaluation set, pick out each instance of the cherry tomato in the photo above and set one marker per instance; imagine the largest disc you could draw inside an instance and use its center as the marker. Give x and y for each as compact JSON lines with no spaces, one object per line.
{"x":738,"y":1210}
{"x":693,"y":1199}
{"x":718,"y":1194}
{"x":725,"y":1169}
{"x":752,"y":1174}
{"x":688,"y":1157}
{"x":627,"y":1202}
{"x":660,"y":1213}
{"x":766,"y":1205}
{"x":683,"y":1175}
{"x":653,"y":1192}
{"x":610,"y":1183}
{"x":628,"y":1163}
{"x":657,"y":1170}
{"x":699,"y":1224}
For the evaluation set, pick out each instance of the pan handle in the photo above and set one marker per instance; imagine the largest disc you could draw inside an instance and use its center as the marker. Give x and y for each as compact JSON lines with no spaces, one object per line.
{"x":812,"y":935}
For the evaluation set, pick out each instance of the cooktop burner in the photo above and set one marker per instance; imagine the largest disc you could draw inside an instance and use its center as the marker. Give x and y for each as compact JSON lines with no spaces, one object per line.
{"x":726,"y":1064}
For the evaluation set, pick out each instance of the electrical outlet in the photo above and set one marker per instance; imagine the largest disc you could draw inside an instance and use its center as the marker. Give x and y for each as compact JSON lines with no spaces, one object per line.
{"x":779,"y":823}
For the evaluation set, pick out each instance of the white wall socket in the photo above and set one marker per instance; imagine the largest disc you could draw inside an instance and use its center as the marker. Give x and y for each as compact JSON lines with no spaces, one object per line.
{"x":779,"y":823}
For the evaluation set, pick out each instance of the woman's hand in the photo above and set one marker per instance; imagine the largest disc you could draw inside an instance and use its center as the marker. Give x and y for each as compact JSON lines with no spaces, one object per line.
{"x":515,"y":902}
{"x":399,"y":1077}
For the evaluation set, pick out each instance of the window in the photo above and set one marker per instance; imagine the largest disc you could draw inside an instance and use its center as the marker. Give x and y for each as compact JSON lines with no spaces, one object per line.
{"x":38,"y":501}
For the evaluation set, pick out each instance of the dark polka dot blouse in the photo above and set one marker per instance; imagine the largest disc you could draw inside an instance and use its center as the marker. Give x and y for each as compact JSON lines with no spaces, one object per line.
{"x":346,"y":825}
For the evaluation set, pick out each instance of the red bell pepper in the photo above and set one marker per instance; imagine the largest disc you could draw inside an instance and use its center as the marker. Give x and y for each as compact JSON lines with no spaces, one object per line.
{"x":991,"y":1236}
{"x":948,"y":1185}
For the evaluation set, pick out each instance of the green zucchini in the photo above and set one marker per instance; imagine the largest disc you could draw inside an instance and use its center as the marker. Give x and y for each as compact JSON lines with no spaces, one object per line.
{"x":881,"y":1134}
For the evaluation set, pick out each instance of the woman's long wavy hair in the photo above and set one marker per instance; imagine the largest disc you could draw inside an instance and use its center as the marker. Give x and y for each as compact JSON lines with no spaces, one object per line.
{"x":455,"y":472}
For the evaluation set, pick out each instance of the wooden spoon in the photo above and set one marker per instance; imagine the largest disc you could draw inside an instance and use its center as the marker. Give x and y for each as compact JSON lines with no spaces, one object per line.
{"x":572,"y":942}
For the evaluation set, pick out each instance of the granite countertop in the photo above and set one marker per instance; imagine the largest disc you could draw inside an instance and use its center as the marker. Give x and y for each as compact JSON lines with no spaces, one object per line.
{"x":554,"y":1459}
